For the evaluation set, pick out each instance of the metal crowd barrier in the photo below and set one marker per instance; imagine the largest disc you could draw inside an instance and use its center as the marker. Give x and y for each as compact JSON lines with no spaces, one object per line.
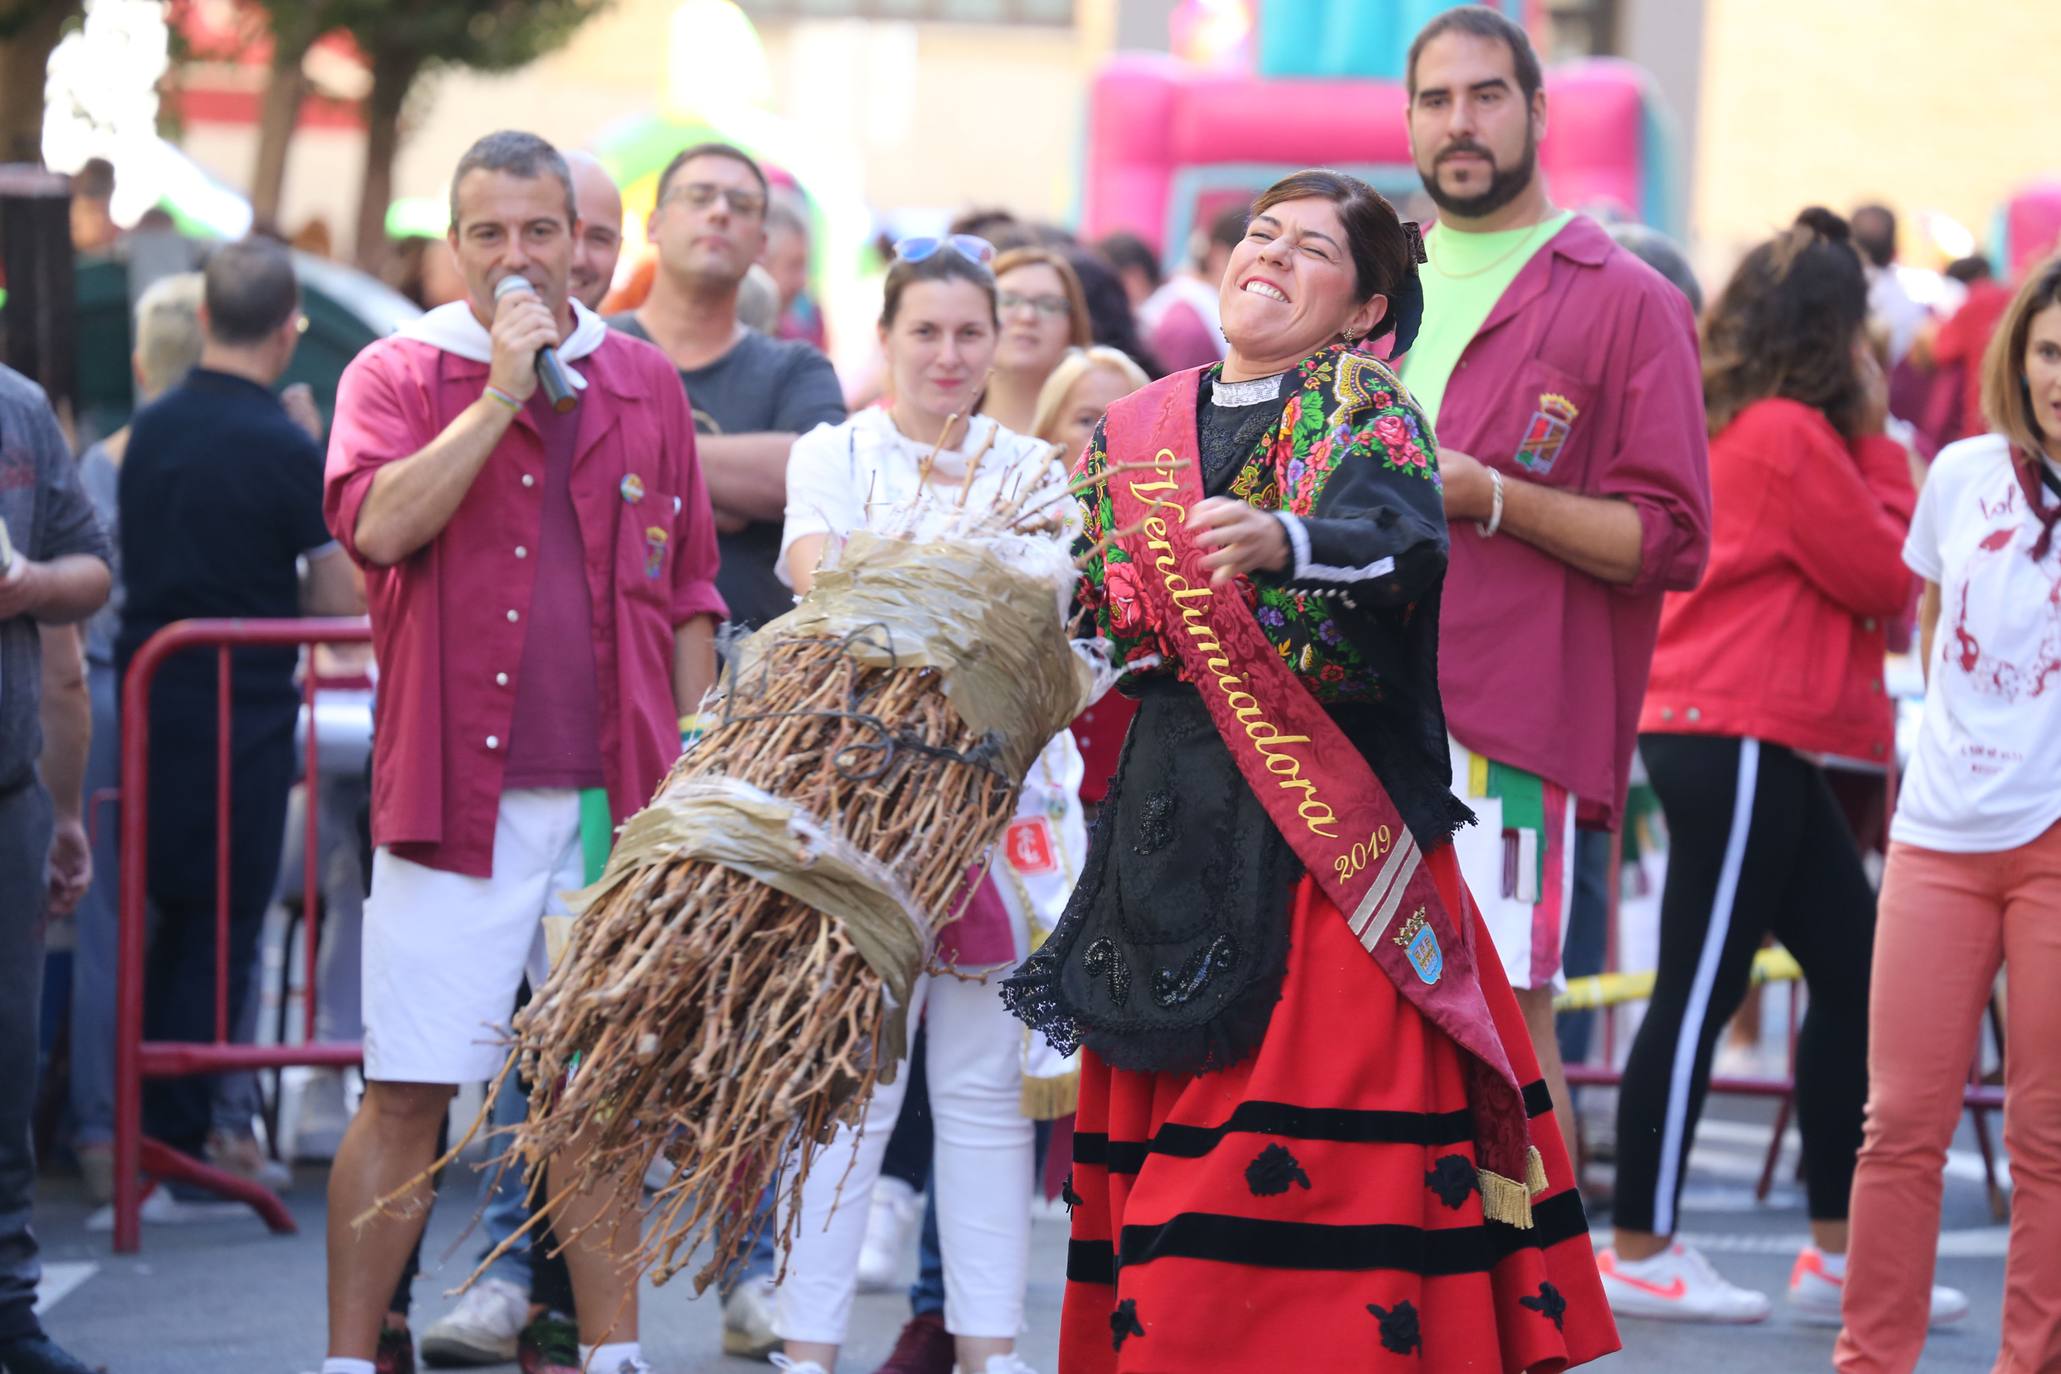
{"x":136,"y":1059}
{"x":1605,"y":992}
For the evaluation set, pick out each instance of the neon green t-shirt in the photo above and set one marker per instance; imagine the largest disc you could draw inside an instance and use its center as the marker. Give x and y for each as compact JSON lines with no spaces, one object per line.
{"x":1482,"y":266}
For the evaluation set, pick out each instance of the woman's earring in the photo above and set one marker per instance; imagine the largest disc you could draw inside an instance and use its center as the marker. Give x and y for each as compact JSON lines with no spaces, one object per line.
{"x":1351,"y":337}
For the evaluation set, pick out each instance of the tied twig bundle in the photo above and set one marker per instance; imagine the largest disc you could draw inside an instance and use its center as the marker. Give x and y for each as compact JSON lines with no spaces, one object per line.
{"x":733,"y":986}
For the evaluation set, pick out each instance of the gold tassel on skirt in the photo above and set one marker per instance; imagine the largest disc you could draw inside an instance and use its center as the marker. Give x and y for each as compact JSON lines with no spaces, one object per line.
{"x":1508,"y":1201}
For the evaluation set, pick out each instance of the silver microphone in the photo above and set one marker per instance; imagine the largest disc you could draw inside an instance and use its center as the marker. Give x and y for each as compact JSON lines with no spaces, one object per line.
{"x":551,"y":372}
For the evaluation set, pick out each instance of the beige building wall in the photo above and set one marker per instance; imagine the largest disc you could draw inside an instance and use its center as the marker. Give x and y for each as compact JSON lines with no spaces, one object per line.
{"x":1918,"y":104}
{"x":926,"y":115}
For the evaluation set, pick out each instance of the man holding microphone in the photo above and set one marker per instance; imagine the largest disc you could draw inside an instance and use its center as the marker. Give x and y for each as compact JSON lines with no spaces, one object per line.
{"x":540,"y":565}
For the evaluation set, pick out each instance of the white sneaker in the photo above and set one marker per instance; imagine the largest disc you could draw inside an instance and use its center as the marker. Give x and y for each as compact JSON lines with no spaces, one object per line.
{"x":482,"y":1328}
{"x":1814,"y":1294}
{"x":315,"y":1108}
{"x":748,"y":1322}
{"x":805,"y":1367}
{"x":1678,"y":1285}
{"x":897,"y":1209}
{"x":1007,"y":1364}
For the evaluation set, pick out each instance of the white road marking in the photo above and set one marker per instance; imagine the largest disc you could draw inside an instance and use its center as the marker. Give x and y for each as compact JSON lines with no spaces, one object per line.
{"x":60,"y":1277}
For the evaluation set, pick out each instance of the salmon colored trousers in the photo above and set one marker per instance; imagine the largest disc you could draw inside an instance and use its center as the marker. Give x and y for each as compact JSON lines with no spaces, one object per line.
{"x":1946,"y":923}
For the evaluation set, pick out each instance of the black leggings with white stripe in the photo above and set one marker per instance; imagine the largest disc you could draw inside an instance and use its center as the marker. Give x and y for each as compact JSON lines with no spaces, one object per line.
{"x":1757,"y":845}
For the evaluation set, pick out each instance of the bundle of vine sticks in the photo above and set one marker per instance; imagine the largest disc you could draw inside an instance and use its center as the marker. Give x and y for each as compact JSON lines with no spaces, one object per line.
{"x":733,"y":986}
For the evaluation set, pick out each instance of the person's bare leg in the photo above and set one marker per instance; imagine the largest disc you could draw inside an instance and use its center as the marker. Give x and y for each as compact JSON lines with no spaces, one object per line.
{"x":1537,"y":1005}
{"x":603,"y":1290}
{"x":1633,"y":1246}
{"x":973,"y":1351}
{"x":1829,"y":1236}
{"x":391,"y":1140}
{"x":801,"y":1352}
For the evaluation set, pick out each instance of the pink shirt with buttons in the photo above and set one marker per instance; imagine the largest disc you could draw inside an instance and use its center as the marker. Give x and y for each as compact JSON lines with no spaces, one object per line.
{"x":448,"y":622}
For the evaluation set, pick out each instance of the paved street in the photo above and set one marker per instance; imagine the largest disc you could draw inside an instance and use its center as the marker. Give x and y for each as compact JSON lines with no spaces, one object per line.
{"x":218,"y":1294}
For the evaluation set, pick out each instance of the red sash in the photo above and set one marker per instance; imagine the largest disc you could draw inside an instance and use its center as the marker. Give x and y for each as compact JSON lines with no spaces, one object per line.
{"x":1314,"y":784}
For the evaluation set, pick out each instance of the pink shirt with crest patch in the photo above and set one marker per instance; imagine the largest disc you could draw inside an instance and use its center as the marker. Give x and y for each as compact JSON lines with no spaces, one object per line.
{"x":1584,"y":377}
{"x":449,"y":623}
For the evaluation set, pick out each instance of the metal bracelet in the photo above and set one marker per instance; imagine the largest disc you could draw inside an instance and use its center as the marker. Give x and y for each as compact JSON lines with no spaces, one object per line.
{"x":1489,"y":526}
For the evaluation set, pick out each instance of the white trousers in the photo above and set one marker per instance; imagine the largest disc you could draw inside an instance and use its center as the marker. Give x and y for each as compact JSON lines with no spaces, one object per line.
{"x":445,"y":953}
{"x":981,"y":1174}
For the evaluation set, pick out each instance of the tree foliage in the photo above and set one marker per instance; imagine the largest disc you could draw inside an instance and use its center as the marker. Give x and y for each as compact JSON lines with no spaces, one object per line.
{"x":402,"y":41}
{"x":29,"y":30}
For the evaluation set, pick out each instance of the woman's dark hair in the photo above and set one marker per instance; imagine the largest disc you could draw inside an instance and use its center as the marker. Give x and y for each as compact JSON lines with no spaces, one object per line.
{"x":1110,"y":318}
{"x":1126,"y":252}
{"x":946,"y":264}
{"x":1385,"y":254}
{"x":1785,"y":325}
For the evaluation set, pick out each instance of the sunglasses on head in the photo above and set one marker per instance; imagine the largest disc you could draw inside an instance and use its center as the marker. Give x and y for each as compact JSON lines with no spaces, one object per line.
{"x":968,"y":246}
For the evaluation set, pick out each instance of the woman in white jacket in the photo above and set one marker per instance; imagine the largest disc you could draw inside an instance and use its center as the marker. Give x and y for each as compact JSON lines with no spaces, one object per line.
{"x":938,"y":332}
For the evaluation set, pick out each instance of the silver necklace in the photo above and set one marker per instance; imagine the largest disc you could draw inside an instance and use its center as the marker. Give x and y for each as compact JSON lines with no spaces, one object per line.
{"x":1250,"y":393}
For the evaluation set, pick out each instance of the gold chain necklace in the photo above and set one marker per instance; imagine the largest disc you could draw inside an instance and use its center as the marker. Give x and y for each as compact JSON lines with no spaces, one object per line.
{"x":1530,"y":231}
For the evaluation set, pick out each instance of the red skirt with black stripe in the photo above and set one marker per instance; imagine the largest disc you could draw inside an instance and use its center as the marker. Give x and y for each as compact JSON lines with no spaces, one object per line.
{"x":1313,"y":1207}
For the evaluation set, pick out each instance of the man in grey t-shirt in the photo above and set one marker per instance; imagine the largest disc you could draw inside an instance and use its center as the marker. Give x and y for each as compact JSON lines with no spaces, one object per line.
{"x":55,"y":574}
{"x":751,"y":395}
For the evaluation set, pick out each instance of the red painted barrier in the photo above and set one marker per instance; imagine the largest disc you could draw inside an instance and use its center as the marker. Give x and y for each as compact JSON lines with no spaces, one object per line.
{"x":136,"y":1059}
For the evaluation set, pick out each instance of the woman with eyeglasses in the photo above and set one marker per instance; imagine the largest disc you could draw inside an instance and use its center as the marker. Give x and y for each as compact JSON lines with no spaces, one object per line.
{"x":1311,"y":1132}
{"x":1043,"y":313}
{"x":938,"y":330}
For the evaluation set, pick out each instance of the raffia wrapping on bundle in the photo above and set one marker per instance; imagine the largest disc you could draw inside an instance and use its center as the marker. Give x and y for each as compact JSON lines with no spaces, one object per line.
{"x":956,"y":607}
{"x":733,"y":985}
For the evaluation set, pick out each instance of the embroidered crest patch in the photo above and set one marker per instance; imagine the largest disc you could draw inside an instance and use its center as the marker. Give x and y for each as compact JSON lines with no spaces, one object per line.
{"x":1545,"y":433}
{"x":1420,"y":941}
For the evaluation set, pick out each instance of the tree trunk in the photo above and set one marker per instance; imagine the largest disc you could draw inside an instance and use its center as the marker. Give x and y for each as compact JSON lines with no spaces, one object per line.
{"x":278,"y":113}
{"x":392,"y":74}
{"x":29,"y":30}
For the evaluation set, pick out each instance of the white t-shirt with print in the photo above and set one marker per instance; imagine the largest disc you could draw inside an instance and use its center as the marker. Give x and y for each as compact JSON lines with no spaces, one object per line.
{"x":865,"y":474}
{"x":1985,"y":775}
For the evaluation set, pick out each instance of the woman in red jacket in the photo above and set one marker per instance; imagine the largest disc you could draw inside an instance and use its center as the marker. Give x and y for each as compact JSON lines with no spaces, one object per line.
{"x":1772,"y":663}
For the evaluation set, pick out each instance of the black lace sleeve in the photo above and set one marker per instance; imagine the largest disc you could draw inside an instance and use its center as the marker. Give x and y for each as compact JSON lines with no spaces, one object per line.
{"x":1378,"y":533}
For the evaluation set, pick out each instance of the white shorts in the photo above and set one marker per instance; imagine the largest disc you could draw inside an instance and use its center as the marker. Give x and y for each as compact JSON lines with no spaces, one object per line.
{"x":445,"y":953}
{"x":1530,"y":935}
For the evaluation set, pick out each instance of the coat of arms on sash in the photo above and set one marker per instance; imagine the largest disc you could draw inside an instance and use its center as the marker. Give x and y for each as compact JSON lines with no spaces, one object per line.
{"x":1545,"y":433}
{"x":1420,"y":941}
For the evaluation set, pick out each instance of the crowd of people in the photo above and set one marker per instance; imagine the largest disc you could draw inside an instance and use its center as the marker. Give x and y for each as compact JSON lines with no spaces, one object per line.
{"x":1474,"y":525}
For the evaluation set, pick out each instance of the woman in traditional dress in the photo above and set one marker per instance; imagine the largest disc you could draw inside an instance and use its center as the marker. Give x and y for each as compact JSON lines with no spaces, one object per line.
{"x":1311,"y":1131}
{"x":912,"y":468}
